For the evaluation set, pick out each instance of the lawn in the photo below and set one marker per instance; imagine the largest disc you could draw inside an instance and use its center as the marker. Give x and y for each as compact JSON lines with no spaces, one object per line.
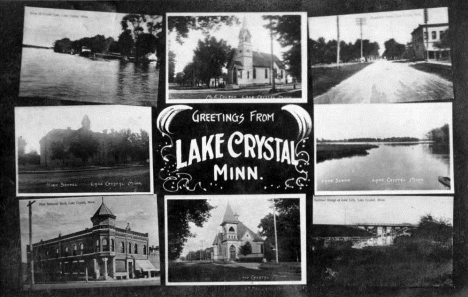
{"x":324,"y":78}
{"x":236,"y":94}
{"x":440,"y":70}
{"x":131,"y":179}
{"x":210,"y":272}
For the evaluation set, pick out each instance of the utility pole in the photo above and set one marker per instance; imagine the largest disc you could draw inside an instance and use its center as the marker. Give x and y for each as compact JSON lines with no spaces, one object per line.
{"x":276,"y":233}
{"x":426,"y":20}
{"x":360,"y":22}
{"x":273,"y":89}
{"x":31,"y":252}
{"x":338,"y":41}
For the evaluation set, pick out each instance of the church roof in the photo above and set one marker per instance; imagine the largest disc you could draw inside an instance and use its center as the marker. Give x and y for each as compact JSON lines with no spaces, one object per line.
{"x":241,"y":229}
{"x":103,"y":210}
{"x":259,"y":59}
{"x":229,"y":216}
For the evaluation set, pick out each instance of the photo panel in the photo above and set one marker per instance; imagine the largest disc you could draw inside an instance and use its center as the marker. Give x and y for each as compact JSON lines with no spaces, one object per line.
{"x":236,"y":57}
{"x":235,"y":240}
{"x":382,"y":241}
{"x":70,"y":150}
{"x":383,"y":149}
{"x":91,"y":56}
{"x":381,"y":57}
{"x":88,"y":242}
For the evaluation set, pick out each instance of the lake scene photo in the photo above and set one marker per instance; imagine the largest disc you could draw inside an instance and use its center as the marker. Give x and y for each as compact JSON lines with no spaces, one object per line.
{"x":91,"y":56}
{"x":374,"y":149}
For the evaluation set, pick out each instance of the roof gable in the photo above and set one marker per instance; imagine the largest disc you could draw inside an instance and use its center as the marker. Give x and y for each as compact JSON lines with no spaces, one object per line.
{"x":242,"y":229}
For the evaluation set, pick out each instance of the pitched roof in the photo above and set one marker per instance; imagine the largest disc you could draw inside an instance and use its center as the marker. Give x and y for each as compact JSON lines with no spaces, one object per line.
{"x":429,"y":26}
{"x":218,"y":237}
{"x":264,"y":60}
{"x":241,"y":229}
{"x":103,"y":210}
{"x":229,"y":216}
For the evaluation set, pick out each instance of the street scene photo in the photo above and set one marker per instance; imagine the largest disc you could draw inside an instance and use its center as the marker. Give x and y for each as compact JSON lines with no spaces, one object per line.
{"x":235,"y":239}
{"x":384,"y":57}
{"x":65,"y":150}
{"x":383,"y":148}
{"x":88,"y":242}
{"x":222,"y":58}
{"x":385,"y":241}
{"x":91,"y":56}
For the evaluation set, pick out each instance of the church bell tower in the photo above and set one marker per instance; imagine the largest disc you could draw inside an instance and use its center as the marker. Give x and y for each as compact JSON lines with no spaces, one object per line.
{"x":245,"y":55}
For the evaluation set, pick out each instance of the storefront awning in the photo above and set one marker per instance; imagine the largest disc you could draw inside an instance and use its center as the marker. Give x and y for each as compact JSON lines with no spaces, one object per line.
{"x":144,"y":265}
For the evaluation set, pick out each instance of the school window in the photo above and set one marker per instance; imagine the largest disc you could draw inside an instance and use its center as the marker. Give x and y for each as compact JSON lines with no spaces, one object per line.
{"x":136,"y":249}
{"x":425,"y":35}
{"x":240,"y":73}
{"x":254,"y":73}
{"x":248,"y":74}
{"x":266,"y":73}
{"x":441,"y":34}
{"x":129,"y":248}
{"x":144,"y":250}
{"x":112,"y":245}
{"x":434,"y":35}
{"x":122,"y":247}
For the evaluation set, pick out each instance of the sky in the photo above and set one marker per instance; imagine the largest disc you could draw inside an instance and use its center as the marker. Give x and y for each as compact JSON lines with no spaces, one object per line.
{"x":336,"y":121}
{"x":260,"y":39}
{"x":33,"y":123}
{"x":43,"y":26}
{"x":50,"y":220}
{"x":395,"y":209}
{"x":379,"y":27}
{"x":250,"y":210}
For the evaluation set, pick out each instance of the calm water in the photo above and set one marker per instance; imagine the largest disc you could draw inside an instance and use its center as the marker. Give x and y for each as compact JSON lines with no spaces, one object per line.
{"x":388,"y":167}
{"x":71,"y":77}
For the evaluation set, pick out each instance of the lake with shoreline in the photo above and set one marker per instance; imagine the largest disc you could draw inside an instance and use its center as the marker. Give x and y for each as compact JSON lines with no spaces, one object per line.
{"x":385,"y":166}
{"x":46,"y":74}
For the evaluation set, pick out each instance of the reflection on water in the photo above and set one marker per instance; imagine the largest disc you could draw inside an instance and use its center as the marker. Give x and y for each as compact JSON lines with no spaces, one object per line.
{"x":47,"y":74}
{"x":388,"y":167}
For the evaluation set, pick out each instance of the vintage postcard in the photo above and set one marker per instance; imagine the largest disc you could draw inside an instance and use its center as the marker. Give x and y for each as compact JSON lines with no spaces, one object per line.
{"x":235,"y":240}
{"x":384,"y":149}
{"x":87,"y":242}
{"x":236,"y":58}
{"x":222,"y":149}
{"x":91,"y":56}
{"x":383,"y":57}
{"x":389,"y":241}
{"x":66,"y":150}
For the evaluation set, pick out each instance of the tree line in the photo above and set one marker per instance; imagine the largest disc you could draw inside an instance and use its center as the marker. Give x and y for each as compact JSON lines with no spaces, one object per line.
{"x":133,"y":41}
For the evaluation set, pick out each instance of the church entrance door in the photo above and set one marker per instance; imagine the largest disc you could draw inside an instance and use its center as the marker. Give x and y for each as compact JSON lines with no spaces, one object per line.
{"x":232,"y":253}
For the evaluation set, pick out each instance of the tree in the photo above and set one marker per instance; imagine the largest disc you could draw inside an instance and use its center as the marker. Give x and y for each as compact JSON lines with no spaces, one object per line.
{"x":287,"y":226}
{"x":445,"y":40}
{"x":393,"y":49}
{"x":171,"y":71}
{"x":58,"y":151}
{"x":179,"y":215}
{"x":181,"y":25}
{"x":125,"y":43}
{"x":83,"y":145}
{"x":287,"y":28}
{"x":433,"y":229}
{"x":246,"y":249}
{"x":211,"y":56}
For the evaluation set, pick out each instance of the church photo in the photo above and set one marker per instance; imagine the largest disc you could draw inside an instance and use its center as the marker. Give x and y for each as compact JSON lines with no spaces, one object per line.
{"x":225,"y":58}
{"x":66,"y":150}
{"x":235,"y":239}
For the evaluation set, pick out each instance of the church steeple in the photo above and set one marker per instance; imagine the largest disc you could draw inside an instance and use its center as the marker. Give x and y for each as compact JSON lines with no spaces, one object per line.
{"x":229,"y":216}
{"x":103,"y":216}
{"x":244,"y":34}
{"x":244,"y":50}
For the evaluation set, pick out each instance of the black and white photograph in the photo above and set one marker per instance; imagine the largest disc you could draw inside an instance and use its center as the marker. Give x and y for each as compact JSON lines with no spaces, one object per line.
{"x":383,"y":148}
{"x":383,"y":57}
{"x":235,"y":239}
{"x":388,"y":241}
{"x":87,"y":242}
{"x":232,"y":58}
{"x":91,"y":56}
{"x":65,"y":150}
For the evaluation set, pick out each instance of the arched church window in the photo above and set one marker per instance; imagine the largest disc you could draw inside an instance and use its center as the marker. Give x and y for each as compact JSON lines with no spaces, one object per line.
{"x":248,"y":74}
{"x":231,"y":229}
{"x":266,"y":73}
{"x":254,"y":73}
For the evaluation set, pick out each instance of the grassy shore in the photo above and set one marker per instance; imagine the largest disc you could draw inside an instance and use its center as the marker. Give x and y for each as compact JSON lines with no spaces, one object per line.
{"x":391,"y":266}
{"x":211,"y":272}
{"x":324,"y":78}
{"x":444,"y":72}
{"x":339,"y":151}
